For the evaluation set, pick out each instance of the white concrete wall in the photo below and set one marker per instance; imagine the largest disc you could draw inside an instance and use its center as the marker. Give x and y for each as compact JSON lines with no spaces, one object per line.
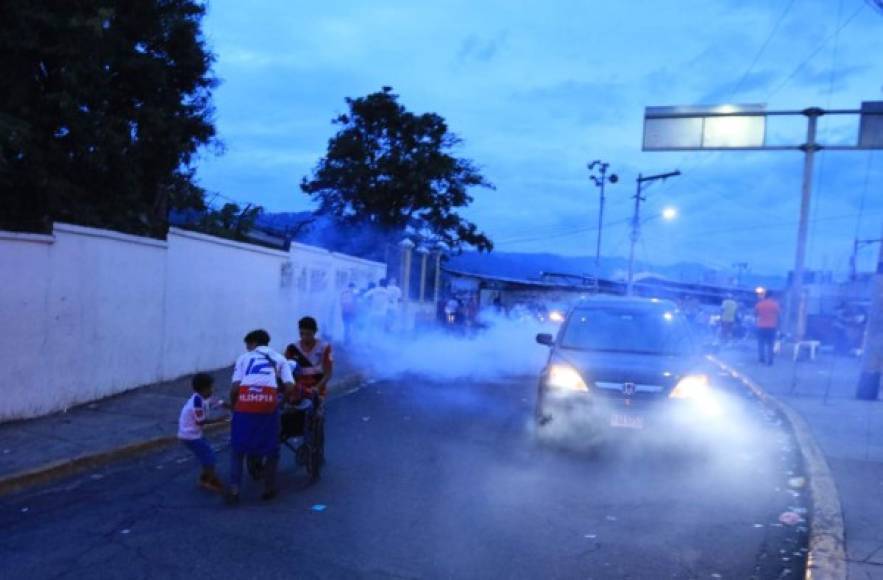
{"x":88,"y":313}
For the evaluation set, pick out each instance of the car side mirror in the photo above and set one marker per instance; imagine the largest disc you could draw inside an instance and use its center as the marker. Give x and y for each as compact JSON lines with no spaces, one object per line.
{"x":544,"y":338}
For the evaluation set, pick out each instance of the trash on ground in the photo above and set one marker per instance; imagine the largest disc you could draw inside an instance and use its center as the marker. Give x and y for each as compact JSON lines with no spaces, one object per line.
{"x":319,"y":507}
{"x":126,"y":531}
{"x":611,"y":518}
{"x":797,"y":482}
{"x":24,"y":510}
{"x":758,"y":525}
{"x":8,"y":451}
{"x":591,"y":536}
{"x":790,"y":518}
{"x":366,"y":419}
{"x":797,"y":510}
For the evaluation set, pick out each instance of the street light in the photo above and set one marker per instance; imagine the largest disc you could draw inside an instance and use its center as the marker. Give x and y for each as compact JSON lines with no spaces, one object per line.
{"x":600,"y":180}
{"x":669,"y":213}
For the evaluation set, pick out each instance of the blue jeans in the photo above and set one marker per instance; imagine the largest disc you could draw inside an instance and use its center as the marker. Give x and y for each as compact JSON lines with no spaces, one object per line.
{"x":202,"y":450}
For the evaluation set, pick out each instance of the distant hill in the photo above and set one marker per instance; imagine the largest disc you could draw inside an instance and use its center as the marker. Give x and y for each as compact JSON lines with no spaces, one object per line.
{"x":530,"y":266}
{"x":321,"y":231}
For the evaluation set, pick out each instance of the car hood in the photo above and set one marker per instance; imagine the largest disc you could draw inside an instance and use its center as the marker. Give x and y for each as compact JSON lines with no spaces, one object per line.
{"x":642,"y":369}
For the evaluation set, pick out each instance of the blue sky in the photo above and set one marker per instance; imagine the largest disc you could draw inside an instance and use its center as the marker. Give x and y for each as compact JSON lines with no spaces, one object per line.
{"x":536,"y":90}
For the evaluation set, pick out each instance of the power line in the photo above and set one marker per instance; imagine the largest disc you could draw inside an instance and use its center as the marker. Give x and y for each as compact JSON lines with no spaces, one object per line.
{"x":813,"y":54}
{"x":762,"y":49}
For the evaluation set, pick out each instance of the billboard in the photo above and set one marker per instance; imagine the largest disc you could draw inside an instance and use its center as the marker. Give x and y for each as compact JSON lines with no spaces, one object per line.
{"x":696,"y":128}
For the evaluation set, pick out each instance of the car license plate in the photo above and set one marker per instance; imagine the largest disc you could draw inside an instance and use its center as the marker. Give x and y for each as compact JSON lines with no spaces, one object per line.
{"x":627,"y":421}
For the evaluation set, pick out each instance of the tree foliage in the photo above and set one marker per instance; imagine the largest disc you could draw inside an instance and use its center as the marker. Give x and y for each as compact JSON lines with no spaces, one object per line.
{"x":392,"y":169}
{"x":103,"y":105}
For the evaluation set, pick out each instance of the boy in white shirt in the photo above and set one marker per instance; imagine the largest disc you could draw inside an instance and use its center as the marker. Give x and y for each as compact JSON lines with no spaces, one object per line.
{"x":194,"y":416}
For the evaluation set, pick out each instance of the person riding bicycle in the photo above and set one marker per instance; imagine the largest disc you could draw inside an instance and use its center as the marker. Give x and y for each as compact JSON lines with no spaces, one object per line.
{"x":314,"y":362}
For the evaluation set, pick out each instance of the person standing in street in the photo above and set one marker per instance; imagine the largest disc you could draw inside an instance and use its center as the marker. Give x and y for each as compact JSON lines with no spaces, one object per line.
{"x":729,"y":307}
{"x":348,"y":311}
{"x":394,"y":294}
{"x":377,"y":300}
{"x":258,"y":376}
{"x":767,"y":311}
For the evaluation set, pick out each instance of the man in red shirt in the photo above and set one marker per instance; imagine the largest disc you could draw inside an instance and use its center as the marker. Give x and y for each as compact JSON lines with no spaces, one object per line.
{"x":767,"y":311}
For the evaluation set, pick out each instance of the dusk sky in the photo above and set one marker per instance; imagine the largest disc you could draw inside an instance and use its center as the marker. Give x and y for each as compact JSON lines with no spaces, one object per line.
{"x":537,"y":90}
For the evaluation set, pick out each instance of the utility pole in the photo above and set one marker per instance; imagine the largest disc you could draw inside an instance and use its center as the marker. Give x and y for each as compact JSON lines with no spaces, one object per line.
{"x":872,"y":351}
{"x":636,"y":222}
{"x":796,"y":311}
{"x":600,"y":181}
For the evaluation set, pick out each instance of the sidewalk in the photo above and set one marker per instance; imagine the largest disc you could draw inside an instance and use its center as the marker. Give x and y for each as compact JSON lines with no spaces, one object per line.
{"x":849,"y":432}
{"x":136,"y":419}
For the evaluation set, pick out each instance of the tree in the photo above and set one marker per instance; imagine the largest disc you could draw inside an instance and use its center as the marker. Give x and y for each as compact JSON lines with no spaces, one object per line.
{"x":103,"y":105}
{"x":389,"y":168}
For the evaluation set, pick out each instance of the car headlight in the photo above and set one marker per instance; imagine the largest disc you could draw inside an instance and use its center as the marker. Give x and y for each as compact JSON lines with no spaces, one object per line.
{"x":556,"y":316}
{"x":691,"y":387}
{"x":565,"y":378}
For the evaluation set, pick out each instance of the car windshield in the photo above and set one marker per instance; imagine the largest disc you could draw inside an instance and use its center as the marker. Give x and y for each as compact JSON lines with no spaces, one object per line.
{"x":649,"y":331}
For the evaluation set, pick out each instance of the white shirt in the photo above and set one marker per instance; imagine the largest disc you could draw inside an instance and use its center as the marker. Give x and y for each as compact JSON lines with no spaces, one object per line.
{"x":192,"y":414}
{"x":252,"y":369}
{"x":378,"y":299}
{"x":394,"y":294}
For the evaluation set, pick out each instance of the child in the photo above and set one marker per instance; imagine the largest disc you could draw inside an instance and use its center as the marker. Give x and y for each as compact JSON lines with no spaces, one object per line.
{"x":194,"y":416}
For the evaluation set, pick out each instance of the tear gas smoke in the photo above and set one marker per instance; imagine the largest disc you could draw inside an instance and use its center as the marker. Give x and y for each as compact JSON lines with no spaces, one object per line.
{"x":500,"y":348}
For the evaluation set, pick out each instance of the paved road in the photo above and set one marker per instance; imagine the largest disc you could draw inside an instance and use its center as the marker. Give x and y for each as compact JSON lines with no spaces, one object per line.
{"x":428,"y":480}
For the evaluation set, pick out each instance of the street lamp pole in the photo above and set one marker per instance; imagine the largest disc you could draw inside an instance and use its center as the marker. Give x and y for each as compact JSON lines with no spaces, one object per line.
{"x":600,"y":181}
{"x":636,"y":222}
{"x":797,"y":310}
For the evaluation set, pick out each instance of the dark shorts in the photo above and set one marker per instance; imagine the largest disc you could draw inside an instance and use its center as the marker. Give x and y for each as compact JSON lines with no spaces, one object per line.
{"x":202,"y":450}
{"x":255,"y":433}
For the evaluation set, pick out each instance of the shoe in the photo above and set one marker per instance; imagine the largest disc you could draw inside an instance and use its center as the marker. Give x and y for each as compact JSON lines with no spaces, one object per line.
{"x":269,"y":494}
{"x":212,"y":486}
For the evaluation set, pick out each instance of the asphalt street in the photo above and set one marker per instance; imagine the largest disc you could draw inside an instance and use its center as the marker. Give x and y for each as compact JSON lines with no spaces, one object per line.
{"x":433,"y":480}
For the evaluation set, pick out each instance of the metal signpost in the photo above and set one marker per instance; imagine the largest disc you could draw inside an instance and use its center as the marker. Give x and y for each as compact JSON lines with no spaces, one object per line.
{"x":744,"y":128}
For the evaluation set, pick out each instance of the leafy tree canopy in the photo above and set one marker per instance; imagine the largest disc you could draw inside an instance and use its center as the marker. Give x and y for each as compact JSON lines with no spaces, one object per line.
{"x":103,"y":105}
{"x":391,"y":169}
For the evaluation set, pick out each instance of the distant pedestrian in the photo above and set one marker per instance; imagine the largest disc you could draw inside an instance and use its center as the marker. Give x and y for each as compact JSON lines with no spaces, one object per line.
{"x":194,"y":416}
{"x":767,"y":311}
{"x":377,"y":302}
{"x":348,"y":311}
{"x":258,"y":376}
{"x":394,"y":296}
{"x":451,"y":308}
{"x":729,"y":308}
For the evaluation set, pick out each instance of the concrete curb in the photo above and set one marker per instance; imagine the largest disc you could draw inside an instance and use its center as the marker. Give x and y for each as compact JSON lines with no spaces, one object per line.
{"x":827,"y":555}
{"x":65,"y":467}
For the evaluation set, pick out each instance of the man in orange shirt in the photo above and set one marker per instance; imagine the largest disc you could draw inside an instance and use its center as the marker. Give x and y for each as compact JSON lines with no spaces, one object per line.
{"x":767,"y":311}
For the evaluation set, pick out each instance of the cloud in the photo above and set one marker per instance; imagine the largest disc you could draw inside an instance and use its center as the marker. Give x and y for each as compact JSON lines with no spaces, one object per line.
{"x":481,"y":50}
{"x":536,"y":91}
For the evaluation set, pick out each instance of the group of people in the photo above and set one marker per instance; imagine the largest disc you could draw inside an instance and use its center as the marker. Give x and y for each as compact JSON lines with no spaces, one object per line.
{"x":263,"y":383}
{"x":374,"y":308}
{"x":767,"y":315}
